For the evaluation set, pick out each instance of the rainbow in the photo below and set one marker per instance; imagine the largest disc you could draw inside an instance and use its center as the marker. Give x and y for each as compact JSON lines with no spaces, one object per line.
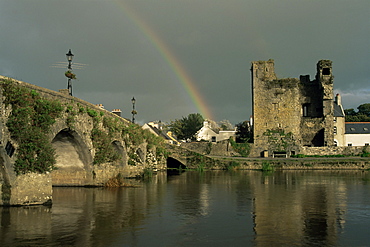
{"x":175,"y":65}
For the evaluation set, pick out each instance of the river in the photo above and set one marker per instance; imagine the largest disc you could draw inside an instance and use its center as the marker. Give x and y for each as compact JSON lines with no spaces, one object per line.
{"x":213,"y":208}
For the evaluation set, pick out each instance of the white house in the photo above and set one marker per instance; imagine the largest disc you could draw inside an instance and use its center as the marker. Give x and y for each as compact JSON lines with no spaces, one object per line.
{"x":357,"y":134}
{"x":349,"y":133}
{"x":206,"y":133}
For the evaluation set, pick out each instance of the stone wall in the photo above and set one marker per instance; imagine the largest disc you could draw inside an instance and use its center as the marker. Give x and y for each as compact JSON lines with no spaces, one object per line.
{"x":292,"y":164}
{"x":300,"y":108}
{"x":347,"y":151}
{"x":222,"y":148}
{"x":31,"y":189}
{"x":320,"y":151}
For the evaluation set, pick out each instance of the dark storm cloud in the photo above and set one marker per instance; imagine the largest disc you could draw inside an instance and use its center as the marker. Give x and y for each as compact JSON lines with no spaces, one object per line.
{"x":214,"y":40}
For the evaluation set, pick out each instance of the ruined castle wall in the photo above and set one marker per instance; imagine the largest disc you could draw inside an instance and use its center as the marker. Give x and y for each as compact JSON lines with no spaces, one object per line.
{"x":276,"y":108}
{"x":290,"y":113}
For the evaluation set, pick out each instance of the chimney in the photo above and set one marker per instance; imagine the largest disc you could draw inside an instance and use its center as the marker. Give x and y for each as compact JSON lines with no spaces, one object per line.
{"x":338,"y":99}
{"x":117,"y":112}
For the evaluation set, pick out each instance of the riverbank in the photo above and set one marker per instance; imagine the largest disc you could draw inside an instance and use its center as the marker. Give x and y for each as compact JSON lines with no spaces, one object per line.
{"x":308,"y":163}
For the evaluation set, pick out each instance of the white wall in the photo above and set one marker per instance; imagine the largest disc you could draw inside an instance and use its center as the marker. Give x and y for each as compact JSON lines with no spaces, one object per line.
{"x":357,"y":139}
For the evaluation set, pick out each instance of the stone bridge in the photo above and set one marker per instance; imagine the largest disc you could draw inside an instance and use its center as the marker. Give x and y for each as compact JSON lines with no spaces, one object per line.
{"x":50,"y":138}
{"x":184,"y":158}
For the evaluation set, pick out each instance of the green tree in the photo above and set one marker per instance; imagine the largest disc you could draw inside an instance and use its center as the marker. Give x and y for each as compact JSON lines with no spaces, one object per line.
{"x":186,"y":127}
{"x":244,"y":132}
{"x":364,"y":109}
{"x":350,"y":112}
{"x":362,"y":115}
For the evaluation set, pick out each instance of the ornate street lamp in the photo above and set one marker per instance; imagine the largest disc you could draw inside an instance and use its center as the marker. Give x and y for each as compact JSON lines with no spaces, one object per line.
{"x":69,"y":73}
{"x":134,"y":112}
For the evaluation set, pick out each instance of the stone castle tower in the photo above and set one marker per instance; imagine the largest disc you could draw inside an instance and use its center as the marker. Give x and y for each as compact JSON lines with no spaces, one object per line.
{"x":290,"y":113}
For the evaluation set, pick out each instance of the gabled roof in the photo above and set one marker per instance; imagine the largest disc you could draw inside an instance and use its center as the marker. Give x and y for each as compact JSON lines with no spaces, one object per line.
{"x":338,"y":110}
{"x":159,"y":132}
{"x":357,"y":127}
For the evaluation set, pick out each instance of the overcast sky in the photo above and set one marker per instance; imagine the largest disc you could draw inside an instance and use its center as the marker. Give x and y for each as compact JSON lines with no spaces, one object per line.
{"x":123,"y":44}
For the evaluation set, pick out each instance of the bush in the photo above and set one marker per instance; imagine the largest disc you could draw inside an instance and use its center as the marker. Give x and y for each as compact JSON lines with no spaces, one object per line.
{"x":241,"y":148}
{"x":29,"y":124}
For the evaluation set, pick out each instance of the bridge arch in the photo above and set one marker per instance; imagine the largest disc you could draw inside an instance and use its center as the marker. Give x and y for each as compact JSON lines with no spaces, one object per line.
{"x":73,"y":159}
{"x":173,"y":163}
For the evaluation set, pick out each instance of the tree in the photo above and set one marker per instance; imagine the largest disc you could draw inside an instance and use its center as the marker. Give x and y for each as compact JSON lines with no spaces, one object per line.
{"x":187,"y":127}
{"x":350,"y":112}
{"x":226,"y":125}
{"x":244,"y":132}
{"x":362,"y":115}
{"x":364,"y":109}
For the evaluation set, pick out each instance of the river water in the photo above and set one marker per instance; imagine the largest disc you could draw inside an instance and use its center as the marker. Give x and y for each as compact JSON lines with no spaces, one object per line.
{"x":215,"y":208}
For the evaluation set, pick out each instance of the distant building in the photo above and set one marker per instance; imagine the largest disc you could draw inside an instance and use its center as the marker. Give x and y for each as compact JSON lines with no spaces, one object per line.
{"x":357,"y":134}
{"x":290,"y":113}
{"x":157,"y":130}
{"x":117,"y":112}
{"x":100,"y":106}
{"x":339,"y":122}
{"x":207,"y":133}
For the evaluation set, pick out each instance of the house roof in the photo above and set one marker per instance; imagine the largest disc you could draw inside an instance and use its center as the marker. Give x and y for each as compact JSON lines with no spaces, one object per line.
{"x":159,"y":132}
{"x":357,"y":127}
{"x":338,"y":110}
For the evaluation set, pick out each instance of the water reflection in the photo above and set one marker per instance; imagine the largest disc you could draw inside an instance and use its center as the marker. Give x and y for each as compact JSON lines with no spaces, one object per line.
{"x":299,"y":207}
{"x":218,"y":208}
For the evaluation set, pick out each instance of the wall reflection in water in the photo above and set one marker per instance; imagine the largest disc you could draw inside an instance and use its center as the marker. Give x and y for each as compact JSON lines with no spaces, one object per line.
{"x":218,"y":208}
{"x":300,"y":207}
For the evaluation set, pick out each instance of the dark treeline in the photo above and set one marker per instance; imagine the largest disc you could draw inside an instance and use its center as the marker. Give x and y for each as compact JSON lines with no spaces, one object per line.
{"x":361,"y":115}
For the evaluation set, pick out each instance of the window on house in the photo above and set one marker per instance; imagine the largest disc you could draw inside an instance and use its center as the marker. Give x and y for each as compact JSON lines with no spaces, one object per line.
{"x":326,"y":71}
{"x":349,"y":144}
{"x":352,"y":129}
{"x":213,"y":139}
{"x":366,"y":129}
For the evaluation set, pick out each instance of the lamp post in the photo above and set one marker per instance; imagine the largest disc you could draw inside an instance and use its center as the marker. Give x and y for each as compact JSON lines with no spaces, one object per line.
{"x":69,"y":58}
{"x":134,"y":112}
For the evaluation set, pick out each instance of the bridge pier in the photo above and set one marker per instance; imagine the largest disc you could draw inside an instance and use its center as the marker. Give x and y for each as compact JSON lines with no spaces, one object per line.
{"x":31,"y":189}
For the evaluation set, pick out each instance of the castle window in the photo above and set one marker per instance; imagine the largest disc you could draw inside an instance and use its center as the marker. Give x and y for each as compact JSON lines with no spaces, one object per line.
{"x":349,"y":144}
{"x":366,"y":144}
{"x":335,"y":130}
{"x":9,"y":148}
{"x":326,"y":71}
{"x":305,"y":109}
{"x":319,"y":111}
{"x":335,"y":119}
